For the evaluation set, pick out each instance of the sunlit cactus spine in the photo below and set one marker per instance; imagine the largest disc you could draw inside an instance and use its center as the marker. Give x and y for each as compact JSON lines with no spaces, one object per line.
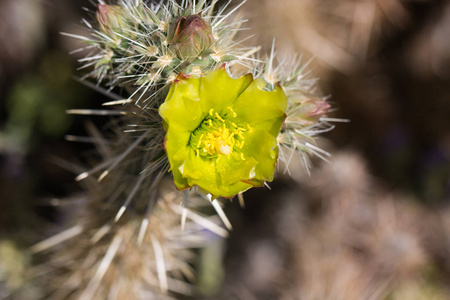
{"x":145,"y":255}
{"x":197,"y":105}
{"x":306,"y":113}
{"x":145,"y":46}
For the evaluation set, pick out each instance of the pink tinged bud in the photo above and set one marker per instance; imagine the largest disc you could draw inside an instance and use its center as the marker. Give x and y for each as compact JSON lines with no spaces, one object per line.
{"x":110,"y":18}
{"x":312,"y":109}
{"x":190,"y":36}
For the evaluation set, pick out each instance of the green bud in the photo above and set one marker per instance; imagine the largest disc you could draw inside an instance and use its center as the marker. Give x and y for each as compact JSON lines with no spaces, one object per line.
{"x":189,"y":36}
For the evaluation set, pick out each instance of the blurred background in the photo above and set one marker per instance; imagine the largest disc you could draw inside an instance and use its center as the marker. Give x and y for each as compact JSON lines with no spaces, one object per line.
{"x":372,"y":224}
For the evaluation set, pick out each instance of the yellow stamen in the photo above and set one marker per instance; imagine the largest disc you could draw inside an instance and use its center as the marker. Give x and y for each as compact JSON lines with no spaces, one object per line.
{"x":232,"y":111}
{"x":220,"y":140}
{"x":200,"y":141}
{"x":218,"y":117}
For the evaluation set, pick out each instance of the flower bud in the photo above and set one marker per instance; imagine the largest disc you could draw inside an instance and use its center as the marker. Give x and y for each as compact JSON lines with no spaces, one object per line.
{"x":312,"y":109}
{"x":189,"y":36}
{"x":110,"y":18}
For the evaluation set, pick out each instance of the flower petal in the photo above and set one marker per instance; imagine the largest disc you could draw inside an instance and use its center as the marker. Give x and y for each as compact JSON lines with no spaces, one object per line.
{"x":219,"y":91}
{"x":235,"y":168}
{"x":176,"y":145}
{"x":228,"y":191}
{"x":182,"y":108}
{"x":261,"y":146}
{"x":255,"y":105}
{"x":236,"y":188}
{"x":272,"y":126}
{"x":200,"y":171}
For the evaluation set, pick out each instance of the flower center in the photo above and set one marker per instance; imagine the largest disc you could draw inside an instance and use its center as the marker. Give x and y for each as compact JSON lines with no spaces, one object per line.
{"x":218,"y":135}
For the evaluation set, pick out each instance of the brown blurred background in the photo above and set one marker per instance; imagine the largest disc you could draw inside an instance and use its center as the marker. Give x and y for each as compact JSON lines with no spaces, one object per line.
{"x":373,"y":224}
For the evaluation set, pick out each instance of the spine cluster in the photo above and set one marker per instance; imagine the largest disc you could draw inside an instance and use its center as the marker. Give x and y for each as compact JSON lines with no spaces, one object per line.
{"x":133,"y":217}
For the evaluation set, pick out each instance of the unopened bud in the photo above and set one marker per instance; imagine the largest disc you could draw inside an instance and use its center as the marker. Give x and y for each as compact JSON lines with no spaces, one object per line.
{"x":190,"y":36}
{"x":312,"y":109}
{"x":110,"y":18}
